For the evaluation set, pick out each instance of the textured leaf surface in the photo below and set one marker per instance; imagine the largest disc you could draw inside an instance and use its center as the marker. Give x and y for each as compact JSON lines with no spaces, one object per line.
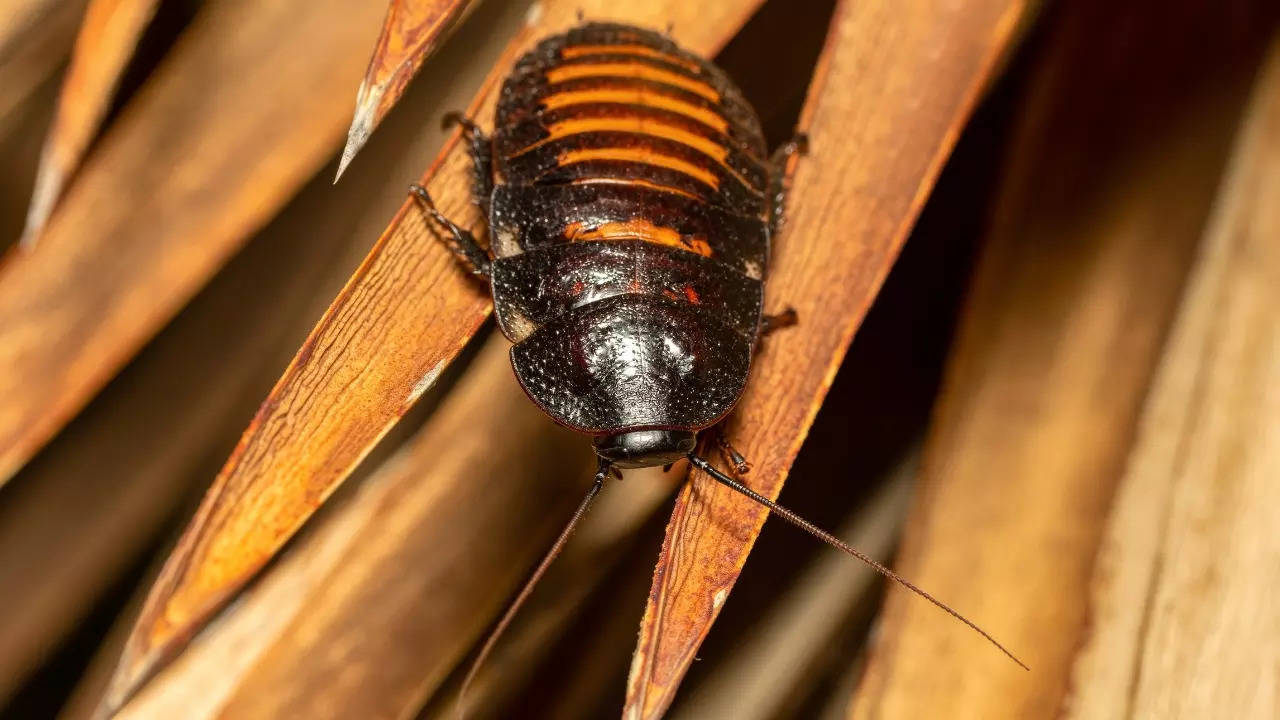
{"x":400,"y":320}
{"x":877,"y":141}
{"x":374,"y":605}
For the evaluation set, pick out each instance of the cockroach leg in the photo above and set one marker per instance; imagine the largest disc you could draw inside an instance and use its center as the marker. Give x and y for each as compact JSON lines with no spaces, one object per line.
{"x":797,"y":145}
{"x":481,"y":152}
{"x":771,"y":323}
{"x":464,"y":244}
{"x":731,"y":455}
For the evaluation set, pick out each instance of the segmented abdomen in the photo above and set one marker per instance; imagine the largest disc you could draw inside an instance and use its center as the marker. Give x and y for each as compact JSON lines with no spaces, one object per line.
{"x":610,"y":105}
{"x":628,"y":221}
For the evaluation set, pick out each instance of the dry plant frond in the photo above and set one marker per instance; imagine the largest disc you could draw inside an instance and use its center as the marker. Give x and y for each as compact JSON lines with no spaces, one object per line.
{"x":1073,"y":296}
{"x":401,"y":319}
{"x":1092,"y":487}
{"x":196,"y":163}
{"x":108,"y":35}
{"x":772,"y":667}
{"x":1198,"y":498}
{"x":35,"y":37}
{"x":412,"y":30}
{"x":117,"y":481}
{"x":392,"y":588}
{"x":848,"y":216}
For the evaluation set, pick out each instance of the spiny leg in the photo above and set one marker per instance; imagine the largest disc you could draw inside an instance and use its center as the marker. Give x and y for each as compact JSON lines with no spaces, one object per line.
{"x":772,"y":323}
{"x":798,"y":145}
{"x":464,"y":244}
{"x":481,"y":152}
{"x":730,"y":454}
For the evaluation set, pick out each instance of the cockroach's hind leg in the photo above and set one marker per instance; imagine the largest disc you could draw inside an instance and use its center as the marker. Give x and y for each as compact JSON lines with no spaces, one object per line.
{"x":464,"y":244}
{"x":731,"y":455}
{"x":481,"y":151}
{"x":772,"y":323}
{"x":797,"y":145}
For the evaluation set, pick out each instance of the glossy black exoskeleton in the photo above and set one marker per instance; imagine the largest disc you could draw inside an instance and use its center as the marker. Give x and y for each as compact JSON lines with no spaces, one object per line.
{"x":631,"y":208}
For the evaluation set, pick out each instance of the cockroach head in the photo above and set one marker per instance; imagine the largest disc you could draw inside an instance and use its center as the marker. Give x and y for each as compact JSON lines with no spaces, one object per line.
{"x":645,"y":448}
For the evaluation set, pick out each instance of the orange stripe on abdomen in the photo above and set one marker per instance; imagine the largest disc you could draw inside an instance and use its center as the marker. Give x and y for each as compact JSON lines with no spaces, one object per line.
{"x":633,"y":182}
{"x":638,"y":229}
{"x":637,"y":125}
{"x":632,"y":70}
{"x":643,"y":156}
{"x":577,"y":51}
{"x":639,"y":97}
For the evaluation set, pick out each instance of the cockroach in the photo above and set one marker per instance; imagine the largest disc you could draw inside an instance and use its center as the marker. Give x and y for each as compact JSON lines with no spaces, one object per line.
{"x":631,"y":205}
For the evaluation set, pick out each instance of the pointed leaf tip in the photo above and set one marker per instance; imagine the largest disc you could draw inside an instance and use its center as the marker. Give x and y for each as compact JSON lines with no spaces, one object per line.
{"x":412,"y":30}
{"x":106,"y":42}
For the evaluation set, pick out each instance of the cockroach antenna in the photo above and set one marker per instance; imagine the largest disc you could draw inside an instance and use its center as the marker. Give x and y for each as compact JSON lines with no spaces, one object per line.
{"x":586,"y":213}
{"x":836,"y":542}
{"x":602,"y":471}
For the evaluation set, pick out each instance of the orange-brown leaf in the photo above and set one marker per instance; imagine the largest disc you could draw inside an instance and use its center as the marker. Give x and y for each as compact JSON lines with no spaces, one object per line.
{"x":35,"y":38}
{"x":235,"y":119}
{"x":877,"y":139}
{"x":400,"y":320}
{"x":410,"y":32}
{"x":108,"y":35}
{"x":375,"y":604}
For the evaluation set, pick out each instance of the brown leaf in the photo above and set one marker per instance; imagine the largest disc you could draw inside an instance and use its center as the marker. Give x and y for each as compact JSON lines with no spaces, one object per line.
{"x":877,"y":141}
{"x":108,"y":35}
{"x":412,"y":30}
{"x":1176,"y":629}
{"x":197,"y":163}
{"x":35,"y":38}
{"x":115,"y":480}
{"x":378,"y":601}
{"x":774,"y":665}
{"x":1094,"y":228}
{"x":605,"y":538}
{"x":97,"y":496}
{"x":400,"y":320}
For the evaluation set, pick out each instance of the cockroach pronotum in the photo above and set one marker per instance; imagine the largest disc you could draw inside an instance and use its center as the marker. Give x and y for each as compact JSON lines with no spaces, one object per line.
{"x":631,"y":206}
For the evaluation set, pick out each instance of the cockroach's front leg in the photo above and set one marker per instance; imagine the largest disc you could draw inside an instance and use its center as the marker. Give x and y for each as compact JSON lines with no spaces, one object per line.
{"x":464,"y":244}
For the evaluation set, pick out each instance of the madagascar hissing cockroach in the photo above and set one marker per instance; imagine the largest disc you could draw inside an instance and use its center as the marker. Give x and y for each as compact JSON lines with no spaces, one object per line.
{"x":631,"y":205}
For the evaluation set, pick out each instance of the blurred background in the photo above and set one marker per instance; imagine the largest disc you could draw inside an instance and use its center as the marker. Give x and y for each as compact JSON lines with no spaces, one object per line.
{"x":1060,"y":414}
